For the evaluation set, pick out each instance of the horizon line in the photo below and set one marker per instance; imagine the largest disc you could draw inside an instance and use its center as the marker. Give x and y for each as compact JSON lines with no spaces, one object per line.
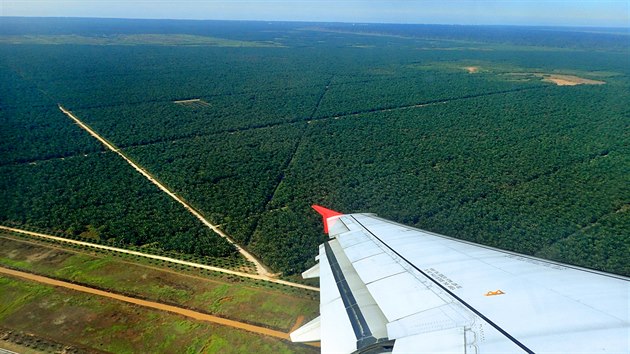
{"x":309,"y":21}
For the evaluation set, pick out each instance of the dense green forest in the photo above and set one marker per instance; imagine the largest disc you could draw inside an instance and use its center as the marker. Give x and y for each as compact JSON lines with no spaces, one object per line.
{"x":98,"y":198}
{"x":447,"y":130}
{"x":56,"y":178}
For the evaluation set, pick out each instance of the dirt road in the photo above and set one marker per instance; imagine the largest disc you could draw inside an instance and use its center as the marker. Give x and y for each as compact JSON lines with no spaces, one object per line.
{"x":260,"y":268}
{"x":150,"y":304}
{"x":162,"y":258}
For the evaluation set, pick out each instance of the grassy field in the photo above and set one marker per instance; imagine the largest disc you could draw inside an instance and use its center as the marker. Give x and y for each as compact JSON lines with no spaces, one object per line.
{"x":267,"y":307}
{"x":237,"y":300}
{"x":95,"y":324}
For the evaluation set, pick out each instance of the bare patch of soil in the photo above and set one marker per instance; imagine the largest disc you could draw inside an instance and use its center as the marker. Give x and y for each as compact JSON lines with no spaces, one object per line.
{"x":40,"y":256}
{"x":565,"y":80}
{"x":195,"y":102}
{"x":298,"y":322}
{"x":568,"y":80}
{"x":226,"y":299}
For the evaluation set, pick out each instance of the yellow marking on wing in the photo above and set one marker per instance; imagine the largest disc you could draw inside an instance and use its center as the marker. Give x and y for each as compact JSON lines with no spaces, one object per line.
{"x":493,"y":293}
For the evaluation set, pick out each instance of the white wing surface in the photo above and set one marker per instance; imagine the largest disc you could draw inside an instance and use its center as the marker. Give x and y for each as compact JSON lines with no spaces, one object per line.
{"x":389,"y":287}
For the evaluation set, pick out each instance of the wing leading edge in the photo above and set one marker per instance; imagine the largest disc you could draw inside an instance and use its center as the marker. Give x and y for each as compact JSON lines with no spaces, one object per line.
{"x":389,"y":287}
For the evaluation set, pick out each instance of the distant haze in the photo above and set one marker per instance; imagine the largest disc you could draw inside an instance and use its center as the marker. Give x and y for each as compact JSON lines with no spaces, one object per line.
{"x":598,"y":13}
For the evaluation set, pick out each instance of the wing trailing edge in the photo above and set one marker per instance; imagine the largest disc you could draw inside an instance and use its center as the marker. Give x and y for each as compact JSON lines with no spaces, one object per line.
{"x":309,"y":332}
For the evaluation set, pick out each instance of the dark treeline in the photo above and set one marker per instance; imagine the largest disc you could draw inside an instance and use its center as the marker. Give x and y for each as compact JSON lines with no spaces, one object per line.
{"x":588,"y":38}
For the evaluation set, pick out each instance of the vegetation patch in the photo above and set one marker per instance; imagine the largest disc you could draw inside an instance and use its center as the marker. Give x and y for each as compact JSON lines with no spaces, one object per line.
{"x":27,"y":343}
{"x":68,"y":197}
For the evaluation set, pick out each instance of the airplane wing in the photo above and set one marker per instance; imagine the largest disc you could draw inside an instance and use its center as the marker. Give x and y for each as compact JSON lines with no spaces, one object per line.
{"x":389,"y":287}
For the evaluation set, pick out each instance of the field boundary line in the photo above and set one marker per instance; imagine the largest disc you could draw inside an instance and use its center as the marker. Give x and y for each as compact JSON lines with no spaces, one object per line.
{"x":299,"y":140}
{"x":161,"y":258}
{"x":427,"y":103}
{"x":584,"y":228}
{"x":149,"y":304}
{"x":260,"y":268}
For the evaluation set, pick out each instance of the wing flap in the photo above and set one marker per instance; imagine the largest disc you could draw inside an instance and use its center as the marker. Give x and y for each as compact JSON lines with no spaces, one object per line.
{"x":310,"y":332}
{"x":337,"y":334}
{"x":411,"y":296}
{"x":312,"y":272}
{"x":445,"y":341}
{"x":435,"y":319}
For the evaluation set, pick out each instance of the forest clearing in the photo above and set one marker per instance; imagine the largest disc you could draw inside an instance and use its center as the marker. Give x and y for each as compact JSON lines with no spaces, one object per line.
{"x":568,"y":80}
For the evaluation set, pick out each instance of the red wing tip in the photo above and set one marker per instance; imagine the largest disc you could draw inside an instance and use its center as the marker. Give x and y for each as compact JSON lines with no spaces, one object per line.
{"x":325,"y":212}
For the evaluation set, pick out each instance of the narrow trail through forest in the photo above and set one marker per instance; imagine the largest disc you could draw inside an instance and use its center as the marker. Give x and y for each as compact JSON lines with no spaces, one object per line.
{"x":298,"y":143}
{"x":260,"y":268}
{"x":149,"y":304}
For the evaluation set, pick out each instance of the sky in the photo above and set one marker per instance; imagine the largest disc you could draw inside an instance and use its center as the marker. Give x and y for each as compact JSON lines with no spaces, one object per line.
{"x":597,"y":13}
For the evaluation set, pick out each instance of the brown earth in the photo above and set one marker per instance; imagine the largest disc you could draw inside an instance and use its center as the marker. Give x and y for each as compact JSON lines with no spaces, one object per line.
{"x":150,"y":304}
{"x":298,"y":323}
{"x":568,"y":80}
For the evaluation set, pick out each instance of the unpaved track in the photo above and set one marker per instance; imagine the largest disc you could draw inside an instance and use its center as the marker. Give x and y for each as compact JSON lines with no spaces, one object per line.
{"x":150,"y":304}
{"x":260,"y":268}
{"x":298,"y":323}
{"x":161,"y":258}
{"x":188,"y":101}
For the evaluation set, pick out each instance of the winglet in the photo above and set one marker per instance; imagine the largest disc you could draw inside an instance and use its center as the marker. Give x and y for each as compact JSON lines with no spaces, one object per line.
{"x":325,"y":213}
